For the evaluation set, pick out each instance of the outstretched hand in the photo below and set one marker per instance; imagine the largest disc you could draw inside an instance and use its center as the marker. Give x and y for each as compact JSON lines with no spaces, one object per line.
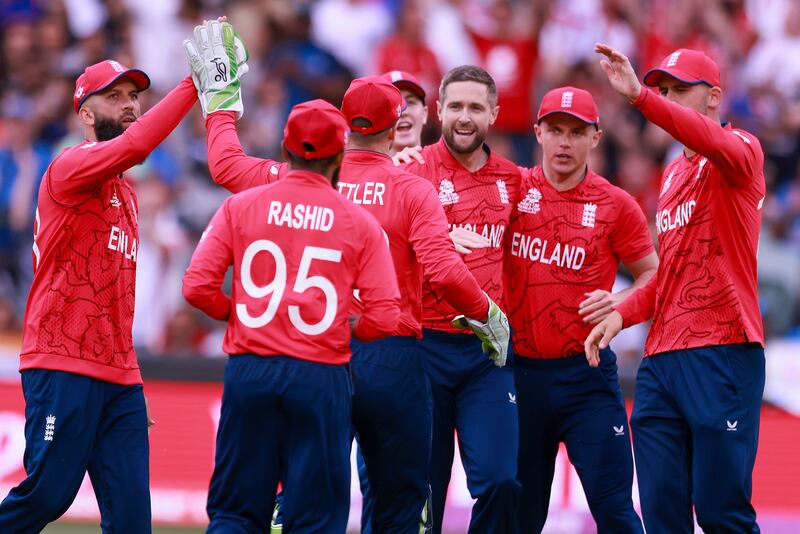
{"x":619,"y":72}
{"x":600,"y":337}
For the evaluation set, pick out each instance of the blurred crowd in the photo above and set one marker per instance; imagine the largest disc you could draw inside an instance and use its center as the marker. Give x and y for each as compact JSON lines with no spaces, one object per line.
{"x":312,"y":49}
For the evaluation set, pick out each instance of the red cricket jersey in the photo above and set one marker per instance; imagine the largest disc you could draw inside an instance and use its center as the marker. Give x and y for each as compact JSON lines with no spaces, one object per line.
{"x":414,"y":221}
{"x":230,"y":167}
{"x":708,"y":221}
{"x":298,"y":250}
{"x":562,"y":245}
{"x":480,"y":201}
{"x":80,"y":308}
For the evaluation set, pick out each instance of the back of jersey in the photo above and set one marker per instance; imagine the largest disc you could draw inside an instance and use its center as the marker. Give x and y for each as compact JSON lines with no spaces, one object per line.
{"x":298,"y":250}
{"x":370,"y":180}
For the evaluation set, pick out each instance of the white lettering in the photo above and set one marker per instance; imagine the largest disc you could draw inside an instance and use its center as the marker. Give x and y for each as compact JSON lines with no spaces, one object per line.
{"x":300,"y":216}
{"x":118,"y":241}
{"x":371,"y":195}
{"x":535,"y":249}
{"x":493,"y":232}
{"x":666,"y":220}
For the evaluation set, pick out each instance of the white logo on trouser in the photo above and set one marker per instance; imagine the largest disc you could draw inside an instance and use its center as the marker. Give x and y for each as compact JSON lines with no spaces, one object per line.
{"x":49,"y":427}
{"x":732,"y":426}
{"x":619,"y":430}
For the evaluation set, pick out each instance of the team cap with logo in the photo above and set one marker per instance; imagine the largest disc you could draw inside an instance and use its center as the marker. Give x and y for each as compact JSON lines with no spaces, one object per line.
{"x":100,"y":76}
{"x":688,"y":66}
{"x":570,"y":100}
{"x":405,"y":80}
{"x":375,"y":100}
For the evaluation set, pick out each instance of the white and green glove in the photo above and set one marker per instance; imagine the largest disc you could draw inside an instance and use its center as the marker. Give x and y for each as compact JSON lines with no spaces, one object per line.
{"x":217,"y":59}
{"x":494,"y":333}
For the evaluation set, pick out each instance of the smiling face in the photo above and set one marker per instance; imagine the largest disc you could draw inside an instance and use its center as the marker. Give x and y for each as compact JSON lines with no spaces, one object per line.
{"x":110,"y":112}
{"x":408,"y":129}
{"x":466,"y":111}
{"x":566,"y":142}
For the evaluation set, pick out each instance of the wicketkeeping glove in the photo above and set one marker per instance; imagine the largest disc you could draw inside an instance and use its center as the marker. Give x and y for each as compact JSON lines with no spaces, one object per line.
{"x":217,"y":59}
{"x":494,"y":333}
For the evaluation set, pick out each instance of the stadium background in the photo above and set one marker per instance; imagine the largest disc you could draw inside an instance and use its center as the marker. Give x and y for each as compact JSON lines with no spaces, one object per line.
{"x":302,"y":50}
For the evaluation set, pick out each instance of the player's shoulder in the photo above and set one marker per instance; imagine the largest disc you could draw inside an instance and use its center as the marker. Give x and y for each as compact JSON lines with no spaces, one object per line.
{"x":504,"y":167}
{"x":745,"y":136}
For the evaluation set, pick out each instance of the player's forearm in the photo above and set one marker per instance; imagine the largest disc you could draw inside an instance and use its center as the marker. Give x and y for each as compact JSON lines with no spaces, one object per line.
{"x":640,"y":281}
{"x":697,"y":132}
{"x":212,"y":302}
{"x":640,"y":305}
{"x":378,"y":321}
{"x":462,"y":292}
{"x":230,"y":167}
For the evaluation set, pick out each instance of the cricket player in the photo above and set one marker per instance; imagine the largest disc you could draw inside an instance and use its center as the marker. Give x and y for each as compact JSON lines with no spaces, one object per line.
{"x":407,"y":133}
{"x":85,"y":407}
{"x":567,"y":236}
{"x":391,"y":401}
{"x":478,"y":190}
{"x":298,"y":250}
{"x":408,"y":129}
{"x":698,"y":390}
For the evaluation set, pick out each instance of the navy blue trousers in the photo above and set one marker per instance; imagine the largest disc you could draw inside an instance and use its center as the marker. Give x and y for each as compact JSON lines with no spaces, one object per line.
{"x":392,"y":417}
{"x":695,"y":433}
{"x":564,"y":399}
{"x":284,"y":419}
{"x":74,"y":423}
{"x":477,"y":399}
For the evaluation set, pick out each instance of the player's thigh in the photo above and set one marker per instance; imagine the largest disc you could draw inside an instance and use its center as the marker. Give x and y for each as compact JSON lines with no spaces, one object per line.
{"x":316,"y":472}
{"x":119,"y":465}
{"x":662,"y":454}
{"x":487,"y":426}
{"x":61,"y":416}
{"x":251,"y":427}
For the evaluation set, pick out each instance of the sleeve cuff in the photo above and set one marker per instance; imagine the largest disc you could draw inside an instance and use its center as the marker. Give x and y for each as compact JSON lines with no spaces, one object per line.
{"x":641,"y":98}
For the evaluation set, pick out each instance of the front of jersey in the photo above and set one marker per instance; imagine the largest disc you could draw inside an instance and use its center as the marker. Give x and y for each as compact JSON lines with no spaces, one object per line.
{"x":479,"y":201}
{"x":563,"y":245}
{"x":708,"y":222}
{"x":79,"y":313}
{"x":298,"y":250}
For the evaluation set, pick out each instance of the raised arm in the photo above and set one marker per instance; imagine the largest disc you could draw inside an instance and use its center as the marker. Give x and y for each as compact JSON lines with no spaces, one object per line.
{"x":230,"y":167}
{"x":737,"y":154}
{"x":84,"y":167}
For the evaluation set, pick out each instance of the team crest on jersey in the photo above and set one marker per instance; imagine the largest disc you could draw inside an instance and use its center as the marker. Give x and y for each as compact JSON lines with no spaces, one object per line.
{"x":589,"y":214}
{"x":447,"y":192}
{"x":115,"y":200}
{"x":700,"y":166}
{"x":667,"y":183}
{"x":530,"y":204}
{"x":501,"y":189}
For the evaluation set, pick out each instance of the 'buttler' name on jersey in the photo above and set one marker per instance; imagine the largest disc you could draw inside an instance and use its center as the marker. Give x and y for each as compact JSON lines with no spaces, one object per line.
{"x":480,"y":201}
{"x":562,"y":245}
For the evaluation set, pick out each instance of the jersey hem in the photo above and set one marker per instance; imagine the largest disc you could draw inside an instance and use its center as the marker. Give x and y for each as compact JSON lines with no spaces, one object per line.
{"x":55,"y":362}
